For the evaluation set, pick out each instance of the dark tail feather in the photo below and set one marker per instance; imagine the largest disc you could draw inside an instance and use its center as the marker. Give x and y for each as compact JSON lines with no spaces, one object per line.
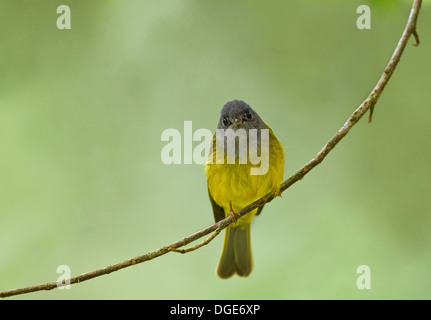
{"x":226,"y":267}
{"x":243,"y":256}
{"x":236,"y":255}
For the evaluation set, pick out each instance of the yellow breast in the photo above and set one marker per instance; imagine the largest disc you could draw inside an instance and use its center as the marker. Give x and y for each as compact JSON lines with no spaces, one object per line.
{"x":233,"y":183}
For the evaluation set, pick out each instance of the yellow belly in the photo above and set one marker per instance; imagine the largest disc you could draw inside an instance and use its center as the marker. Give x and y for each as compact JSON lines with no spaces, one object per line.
{"x":232,"y":184}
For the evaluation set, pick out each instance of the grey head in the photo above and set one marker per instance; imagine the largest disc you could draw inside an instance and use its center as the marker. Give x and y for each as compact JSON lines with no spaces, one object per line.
{"x":237,"y":114}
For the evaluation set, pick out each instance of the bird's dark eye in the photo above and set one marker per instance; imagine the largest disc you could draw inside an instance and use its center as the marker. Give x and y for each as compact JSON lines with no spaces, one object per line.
{"x":225,"y":122}
{"x":248,"y":115}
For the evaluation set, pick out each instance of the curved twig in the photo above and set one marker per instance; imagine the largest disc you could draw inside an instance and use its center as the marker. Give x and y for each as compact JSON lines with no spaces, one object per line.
{"x":216,"y":228}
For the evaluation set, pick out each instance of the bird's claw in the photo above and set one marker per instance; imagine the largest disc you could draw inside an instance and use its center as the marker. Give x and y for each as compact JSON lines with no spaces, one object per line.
{"x":233,"y":214}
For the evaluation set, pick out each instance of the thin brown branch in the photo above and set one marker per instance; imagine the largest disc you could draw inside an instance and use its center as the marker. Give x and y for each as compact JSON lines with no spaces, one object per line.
{"x":216,"y":228}
{"x":378,"y":89}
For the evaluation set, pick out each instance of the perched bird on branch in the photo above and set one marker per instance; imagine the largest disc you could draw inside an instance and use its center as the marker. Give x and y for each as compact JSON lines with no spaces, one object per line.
{"x":234,"y":181}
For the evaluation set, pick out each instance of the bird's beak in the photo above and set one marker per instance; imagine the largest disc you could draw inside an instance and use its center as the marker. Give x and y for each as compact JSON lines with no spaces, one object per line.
{"x":237,"y":122}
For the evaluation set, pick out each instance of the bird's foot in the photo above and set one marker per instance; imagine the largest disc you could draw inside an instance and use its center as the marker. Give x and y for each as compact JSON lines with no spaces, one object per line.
{"x":233,"y":214}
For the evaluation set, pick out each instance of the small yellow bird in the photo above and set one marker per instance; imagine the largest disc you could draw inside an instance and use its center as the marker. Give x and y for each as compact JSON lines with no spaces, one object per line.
{"x":232,"y":186}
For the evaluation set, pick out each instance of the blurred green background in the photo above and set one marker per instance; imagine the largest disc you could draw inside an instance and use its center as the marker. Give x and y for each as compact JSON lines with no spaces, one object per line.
{"x":82,"y":112}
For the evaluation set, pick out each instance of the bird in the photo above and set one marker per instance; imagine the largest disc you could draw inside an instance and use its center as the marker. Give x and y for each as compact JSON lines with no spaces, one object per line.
{"x":232,"y":184}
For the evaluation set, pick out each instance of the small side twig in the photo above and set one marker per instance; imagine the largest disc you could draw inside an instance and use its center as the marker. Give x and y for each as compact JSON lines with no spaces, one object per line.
{"x":415,"y":34}
{"x":200,"y":244}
